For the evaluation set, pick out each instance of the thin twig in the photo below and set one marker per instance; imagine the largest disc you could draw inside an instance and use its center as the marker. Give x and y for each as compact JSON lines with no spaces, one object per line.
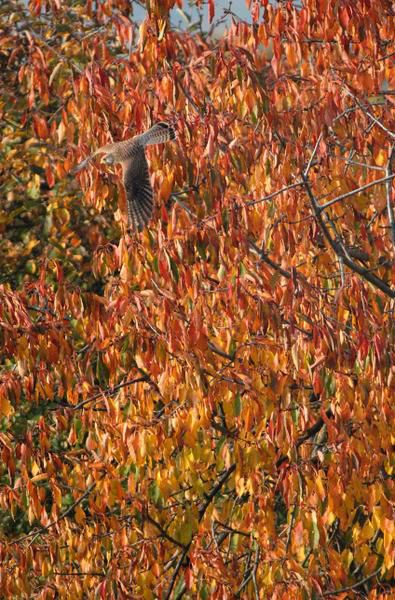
{"x":263,"y":256}
{"x":354,"y":586}
{"x":163,"y":532}
{"x":109,"y":391}
{"x":356,"y":191}
{"x":254,"y":570}
{"x":306,"y":172}
{"x":247,"y":575}
{"x":189,"y":97}
{"x":202,"y":512}
{"x":340,"y":250}
{"x":214,"y":348}
{"x":360,"y":164}
{"x":274,"y":194}
{"x":390,"y":195}
{"x":231,"y":530}
{"x":369,"y":114}
{"x":56,"y":521}
{"x":341,"y":269}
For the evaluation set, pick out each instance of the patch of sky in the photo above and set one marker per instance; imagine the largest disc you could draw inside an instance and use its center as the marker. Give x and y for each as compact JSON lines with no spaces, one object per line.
{"x":192,"y":17}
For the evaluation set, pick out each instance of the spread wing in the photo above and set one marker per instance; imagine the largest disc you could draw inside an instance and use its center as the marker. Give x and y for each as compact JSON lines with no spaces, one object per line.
{"x":138,"y":189}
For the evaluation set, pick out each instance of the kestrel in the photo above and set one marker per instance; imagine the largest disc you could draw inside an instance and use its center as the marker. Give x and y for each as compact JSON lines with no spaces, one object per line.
{"x":136,"y":179}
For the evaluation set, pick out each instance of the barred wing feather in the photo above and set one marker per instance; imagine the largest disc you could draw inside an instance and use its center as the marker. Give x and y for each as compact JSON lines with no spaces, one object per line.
{"x":138,"y":189}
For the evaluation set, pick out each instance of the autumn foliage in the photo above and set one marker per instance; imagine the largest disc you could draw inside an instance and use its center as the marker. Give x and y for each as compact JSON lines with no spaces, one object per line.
{"x":204,"y":409}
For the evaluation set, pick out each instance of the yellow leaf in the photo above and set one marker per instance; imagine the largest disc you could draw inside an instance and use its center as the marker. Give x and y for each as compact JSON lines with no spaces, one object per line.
{"x":295,"y":358}
{"x":162,"y":28}
{"x":35,"y":468}
{"x":6,"y":408}
{"x":39,"y":477}
{"x":367,"y":532}
{"x":320,"y":488}
{"x":79,"y":515}
{"x":61,"y":132}
{"x":380,"y":158}
{"x":54,"y":73}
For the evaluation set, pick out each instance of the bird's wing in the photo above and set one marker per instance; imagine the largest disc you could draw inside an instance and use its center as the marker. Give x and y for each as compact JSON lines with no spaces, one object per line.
{"x":138,"y":189}
{"x":158,"y":134}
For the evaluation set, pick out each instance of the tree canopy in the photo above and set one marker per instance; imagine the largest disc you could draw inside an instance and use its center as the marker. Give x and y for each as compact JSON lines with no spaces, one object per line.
{"x":204,"y":409}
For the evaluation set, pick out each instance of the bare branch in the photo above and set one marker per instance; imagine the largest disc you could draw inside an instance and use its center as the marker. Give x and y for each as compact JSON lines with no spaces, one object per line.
{"x":356,"y":191}
{"x":390,"y":194}
{"x":274,"y":194}
{"x":341,"y":251}
{"x":369,"y":114}
{"x":163,"y":532}
{"x":109,"y":391}
{"x":309,"y":433}
{"x":354,"y":586}
{"x":306,"y":172}
{"x":189,"y":97}
{"x":263,"y":256}
{"x":215,"y":490}
{"x":202,"y":512}
{"x":56,"y":521}
{"x":254,"y":570}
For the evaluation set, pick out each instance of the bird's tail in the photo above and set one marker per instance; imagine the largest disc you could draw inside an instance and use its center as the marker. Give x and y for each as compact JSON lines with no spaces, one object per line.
{"x":159,"y":133}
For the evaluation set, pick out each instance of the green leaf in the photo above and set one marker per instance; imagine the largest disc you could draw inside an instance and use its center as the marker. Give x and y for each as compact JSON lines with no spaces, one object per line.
{"x":242,"y":269}
{"x":179,"y":587}
{"x":221,"y":272}
{"x":154,"y":493}
{"x":185,"y":532}
{"x":234,"y":543}
{"x":204,"y":592}
{"x":155,"y":266}
{"x":237,"y":405}
{"x":174,"y":269}
{"x":225,"y":219}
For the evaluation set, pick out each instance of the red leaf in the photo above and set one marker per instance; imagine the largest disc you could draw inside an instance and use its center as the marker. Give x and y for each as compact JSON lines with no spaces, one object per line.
{"x":344,"y":17}
{"x":50,"y":176}
{"x":211,"y":10}
{"x":40,"y":127}
{"x":188,"y":578}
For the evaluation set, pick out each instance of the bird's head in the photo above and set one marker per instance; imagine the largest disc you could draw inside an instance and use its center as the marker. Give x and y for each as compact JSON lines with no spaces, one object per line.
{"x":108,"y":159}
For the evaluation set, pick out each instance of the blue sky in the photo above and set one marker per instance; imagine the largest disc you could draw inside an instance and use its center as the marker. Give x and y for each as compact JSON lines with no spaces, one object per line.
{"x":237,"y":6}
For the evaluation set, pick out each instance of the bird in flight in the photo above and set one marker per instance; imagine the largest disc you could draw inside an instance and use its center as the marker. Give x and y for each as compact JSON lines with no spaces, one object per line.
{"x":136,"y":179}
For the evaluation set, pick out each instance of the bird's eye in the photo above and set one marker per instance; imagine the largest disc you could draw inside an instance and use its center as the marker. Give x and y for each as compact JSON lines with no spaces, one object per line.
{"x":109,"y":159}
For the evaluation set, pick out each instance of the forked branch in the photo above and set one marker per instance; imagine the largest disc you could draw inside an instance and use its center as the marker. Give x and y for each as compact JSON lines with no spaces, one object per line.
{"x":339,"y":248}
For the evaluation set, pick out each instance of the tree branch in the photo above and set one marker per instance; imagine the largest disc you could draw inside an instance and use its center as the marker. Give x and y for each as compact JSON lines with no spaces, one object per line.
{"x":108,"y":392}
{"x":390,"y":195}
{"x":56,"y":521}
{"x":274,"y":194}
{"x":202,"y":512}
{"x":310,"y":432}
{"x":163,"y":532}
{"x":354,"y":586}
{"x":340,"y":250}
{"x":369,"y":114}
{"x":356,"y":191}
{"x":263,"y":256}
